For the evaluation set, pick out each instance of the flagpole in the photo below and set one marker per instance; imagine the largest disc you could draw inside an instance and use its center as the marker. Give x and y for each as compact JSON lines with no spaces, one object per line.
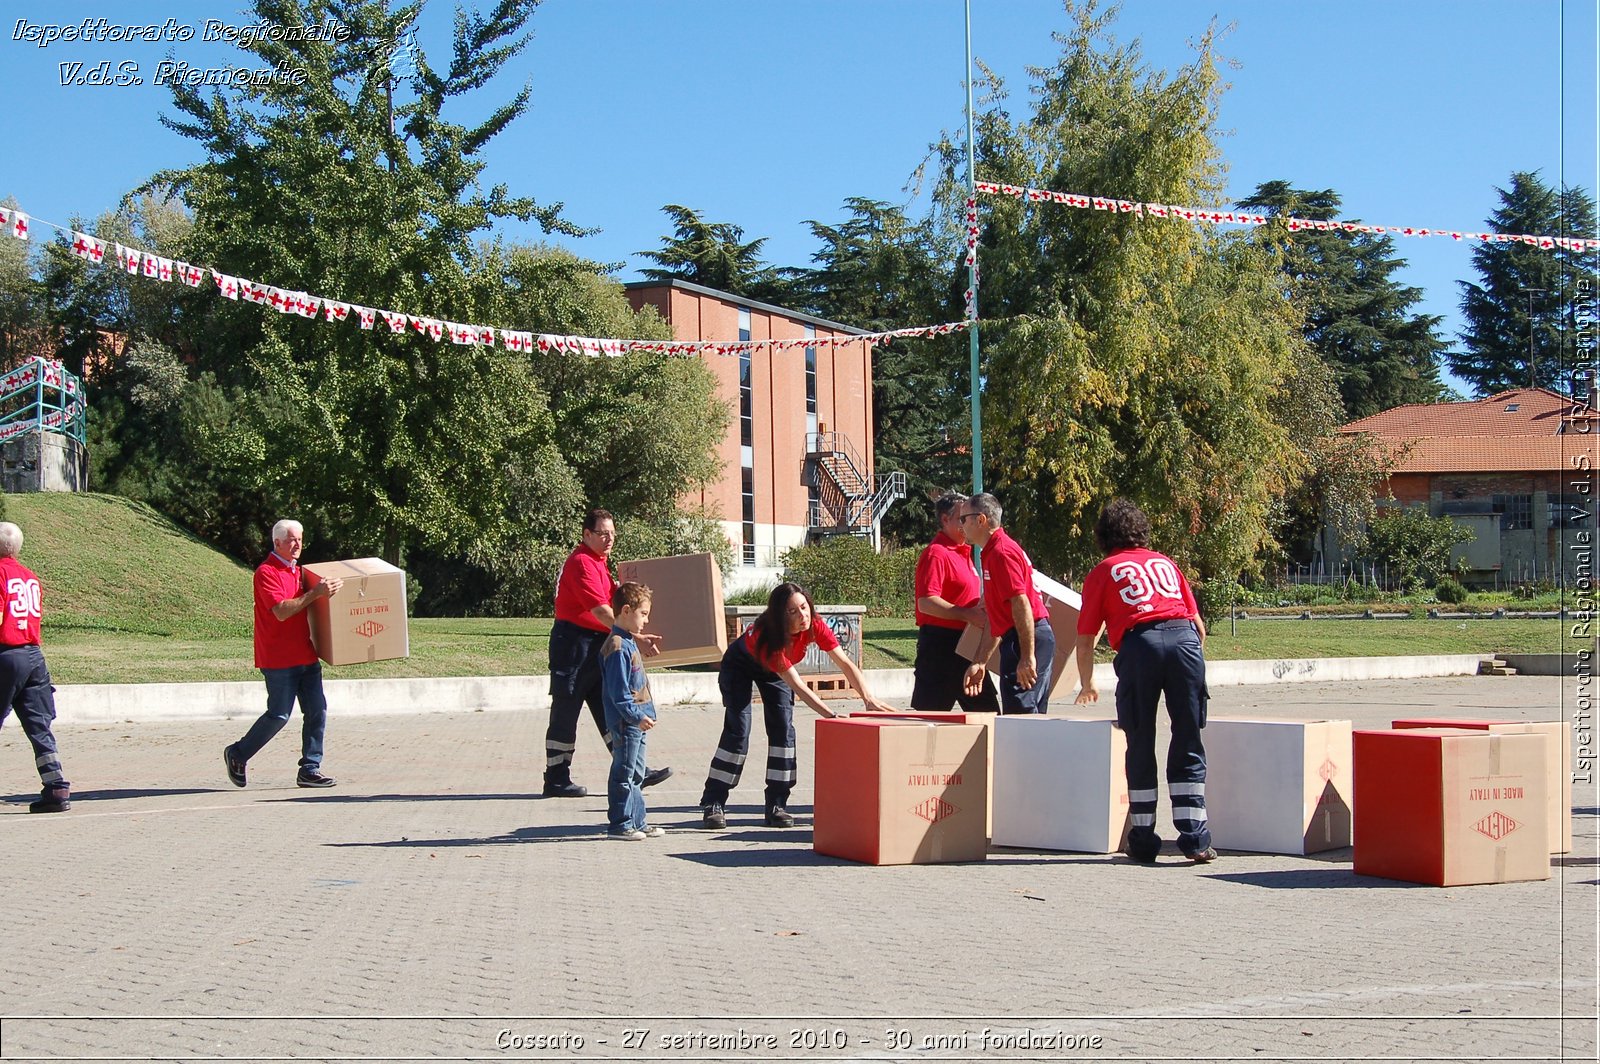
{"x":972,"y":283}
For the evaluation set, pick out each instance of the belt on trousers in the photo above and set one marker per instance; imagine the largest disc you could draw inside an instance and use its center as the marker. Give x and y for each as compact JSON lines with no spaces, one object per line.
{"x":1169,"y":622}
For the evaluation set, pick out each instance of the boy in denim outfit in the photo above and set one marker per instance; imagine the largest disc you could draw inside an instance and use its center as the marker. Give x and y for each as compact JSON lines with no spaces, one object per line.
{"x":630,"y":712}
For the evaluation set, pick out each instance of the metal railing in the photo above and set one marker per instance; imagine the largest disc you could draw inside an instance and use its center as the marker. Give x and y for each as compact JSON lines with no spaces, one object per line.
{"x":39,"y":396}
{"x":849,"y":500}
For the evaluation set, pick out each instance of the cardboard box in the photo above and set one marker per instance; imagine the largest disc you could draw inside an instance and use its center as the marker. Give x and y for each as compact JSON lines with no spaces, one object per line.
{"x":1449,"y":807}
{"x":1060,"y":783}
{"x":984,"y":720}
{"x":365,"y":620}
{"x":685,"y":607}
{"x":900,"y":792}
{"x":1278,"y":786}
{"x":1062,"y":603}
{"x":1558,"y":784}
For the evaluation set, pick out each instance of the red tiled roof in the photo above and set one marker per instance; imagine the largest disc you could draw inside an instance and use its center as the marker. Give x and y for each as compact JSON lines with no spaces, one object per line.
{"x":1515,"y":431}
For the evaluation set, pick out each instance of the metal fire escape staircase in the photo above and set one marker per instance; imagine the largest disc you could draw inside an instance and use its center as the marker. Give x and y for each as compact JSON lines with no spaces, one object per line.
{"x":849,"y":500}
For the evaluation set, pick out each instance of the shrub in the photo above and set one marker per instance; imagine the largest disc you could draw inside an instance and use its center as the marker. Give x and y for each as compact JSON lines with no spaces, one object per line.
{"x":1450,"y":590}
{"x":846,"y":570}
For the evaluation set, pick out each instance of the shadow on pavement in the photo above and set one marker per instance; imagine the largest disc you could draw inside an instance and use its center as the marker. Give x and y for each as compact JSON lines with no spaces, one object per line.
{"x":559,"y":833}
{"x":1316,"y":879}
{"x":788,"y":857}
{"x":123,"y":793}
{"x":324,"y":797}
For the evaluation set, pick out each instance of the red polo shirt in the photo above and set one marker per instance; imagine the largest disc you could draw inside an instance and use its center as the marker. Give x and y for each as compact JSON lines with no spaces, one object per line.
{"x":585,"y":583}
{"x":280,"y":644}
{"x":945,"y":569}
{"x":1007,"y":573}
{"x":1131,"y":587}
{"x":21,"y":611}
{"x":819,"y":633}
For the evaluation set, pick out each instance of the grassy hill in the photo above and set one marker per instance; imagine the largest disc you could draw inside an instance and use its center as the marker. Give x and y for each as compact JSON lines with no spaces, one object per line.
{"x":110,"y":564}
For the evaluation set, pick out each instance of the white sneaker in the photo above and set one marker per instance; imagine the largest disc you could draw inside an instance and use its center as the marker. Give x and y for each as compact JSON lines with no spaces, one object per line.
{"x":654,"y":832}
{"x":630,"y":835}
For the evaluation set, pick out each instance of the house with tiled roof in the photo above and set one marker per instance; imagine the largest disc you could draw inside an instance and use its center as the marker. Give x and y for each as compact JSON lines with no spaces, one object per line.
{"x":1516,"y":468}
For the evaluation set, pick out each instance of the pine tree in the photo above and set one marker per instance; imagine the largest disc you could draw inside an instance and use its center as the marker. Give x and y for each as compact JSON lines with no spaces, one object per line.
{"x":716,"y":255}
{"x":1358,"y":318}
{"x":1516,"y":278}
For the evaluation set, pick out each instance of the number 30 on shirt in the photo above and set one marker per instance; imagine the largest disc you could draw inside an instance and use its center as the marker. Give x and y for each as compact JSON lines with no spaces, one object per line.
{"x":1141,"y":581}
{"x":24,"y":596}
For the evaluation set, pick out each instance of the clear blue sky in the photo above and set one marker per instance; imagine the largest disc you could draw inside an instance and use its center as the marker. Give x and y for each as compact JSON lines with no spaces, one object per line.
{"x":766,"y":113}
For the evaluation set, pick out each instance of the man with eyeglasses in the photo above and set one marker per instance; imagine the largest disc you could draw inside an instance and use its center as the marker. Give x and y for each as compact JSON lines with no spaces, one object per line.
{"x":583,"y":621}
{"x":1018,"y":620}
{"x":287,"y":659}
{"x":947,"y":600}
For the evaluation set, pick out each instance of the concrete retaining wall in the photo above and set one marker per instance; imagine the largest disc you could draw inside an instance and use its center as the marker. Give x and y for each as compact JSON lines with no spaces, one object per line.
{"x":110,"y":703}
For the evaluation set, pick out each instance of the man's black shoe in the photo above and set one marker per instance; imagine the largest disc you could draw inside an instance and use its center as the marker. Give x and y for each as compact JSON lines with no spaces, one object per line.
{"x":1205,"y":856}
{"x":715,"y":818}
{"x":57,"y":801}
{"x":565,"y":790}
{"x":310,"y":777}
{"x":234,"y":766}
{"x":653,"y":776}
{"x":779,"y":817}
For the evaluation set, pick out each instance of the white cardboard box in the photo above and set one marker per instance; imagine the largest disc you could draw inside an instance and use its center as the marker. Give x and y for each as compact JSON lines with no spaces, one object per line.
{"x":1279,"y":786}
{"x":1059,"y":783}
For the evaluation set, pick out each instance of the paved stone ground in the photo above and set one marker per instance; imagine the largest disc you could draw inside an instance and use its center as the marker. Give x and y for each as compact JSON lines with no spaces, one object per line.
{"x":431,"y":908}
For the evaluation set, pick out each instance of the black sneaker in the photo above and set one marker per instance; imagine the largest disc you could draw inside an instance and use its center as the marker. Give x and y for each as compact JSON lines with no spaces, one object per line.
{"x":565,"y":790}
{"x":715,"y":819}
{"x":310,"y":777}
{"x":1141,"y":856}
{"x":779,"y":817}
{"x":1205,"y":856}
{"x":653,"y":776}
{"x":57,"y":801}
{"x":234,"y":766}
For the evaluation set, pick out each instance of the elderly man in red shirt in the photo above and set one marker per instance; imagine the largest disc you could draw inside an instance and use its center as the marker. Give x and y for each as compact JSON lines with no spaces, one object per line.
{"x":948,"y":599}
{"x":286,"y":658}
{"x":583,"y":621}
{"x":24,"y":678}
{"x":1018,"y":620}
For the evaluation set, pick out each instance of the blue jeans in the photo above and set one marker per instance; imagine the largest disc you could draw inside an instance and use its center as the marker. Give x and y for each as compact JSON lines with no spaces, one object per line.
{"x":1014,"y":698}
{"x":284,"y":686}
{"x":624,"y":790}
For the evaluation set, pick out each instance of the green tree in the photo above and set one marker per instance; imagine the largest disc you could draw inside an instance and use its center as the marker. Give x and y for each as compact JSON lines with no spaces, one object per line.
{"x":716,"y":255}
{"x":1358,"y":317}
{"x":1143,"y":357}
{"x":20,"y":299}
{"x":1495,"y":344}
{"x":1414,"y":547}
{"x":878,"y":270}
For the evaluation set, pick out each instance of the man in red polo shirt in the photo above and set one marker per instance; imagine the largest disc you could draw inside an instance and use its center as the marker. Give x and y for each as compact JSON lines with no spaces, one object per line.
{"x":1018,"y":620}
{"x":583,"y":621}
{"x":24,"y":677}
{"x":287,"y":659}
{"x":948,"y":599}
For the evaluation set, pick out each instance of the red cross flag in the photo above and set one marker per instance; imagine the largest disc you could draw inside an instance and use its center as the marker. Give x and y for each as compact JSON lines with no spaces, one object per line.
{"x":87,"y":247}
{"x":129,"y":257}
{"x":368,"y":316}
{"x":462,"y":334}
{"x":228,"y":286}
{"x":19,"y":225}
{"x":397,"y":322}
{"x":192,"y":275}
{"x":485,"y":335}
{"x":152,"y":265}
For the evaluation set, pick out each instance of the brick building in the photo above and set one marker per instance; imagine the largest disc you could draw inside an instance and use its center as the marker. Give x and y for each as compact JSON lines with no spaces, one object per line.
{"x":1517,"y":468}
{"x":797,"y":463}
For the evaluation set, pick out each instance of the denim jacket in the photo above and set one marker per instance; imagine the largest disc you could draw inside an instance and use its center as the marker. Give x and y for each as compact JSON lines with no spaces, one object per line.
{"x":625,"y":687}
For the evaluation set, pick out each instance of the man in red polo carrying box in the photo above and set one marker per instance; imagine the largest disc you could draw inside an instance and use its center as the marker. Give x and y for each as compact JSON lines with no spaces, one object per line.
{"x":583,"y":621}
{"x":947,"y":597}
{"x":24,"y":677}
{"x":1018,"y":620}
{"x":287,"y":659}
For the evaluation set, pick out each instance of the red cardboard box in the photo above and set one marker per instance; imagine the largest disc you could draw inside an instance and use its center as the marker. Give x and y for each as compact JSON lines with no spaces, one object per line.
{"x":685,"y":607}
{"x":365,"y":620}
{"x":985,"y":720}
{"x":900,"y":792}
{"x":1558,"y":785}
{"x":1448,"y":807}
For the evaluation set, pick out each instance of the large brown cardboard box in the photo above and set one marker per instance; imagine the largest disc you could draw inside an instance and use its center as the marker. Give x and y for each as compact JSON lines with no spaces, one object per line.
{"x":1060,"y":783}
{"x":1559,"y":752}
{"x":1062,"y":602}
{"x":985,"y":720}
{"x":365,"y":620}
{"x":1278,"y":786}
{"x":685,"y":607}
{"x":1450,"y":807}
{"x":900,"y":792}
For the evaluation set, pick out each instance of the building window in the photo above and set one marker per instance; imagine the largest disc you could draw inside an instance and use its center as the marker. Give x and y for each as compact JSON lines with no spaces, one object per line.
{"x":1571,"y":510}
{"x":811,"y":381}
{"x":747,"y":530}
{"x":1516,"y":511}
{"x":746,"y":403}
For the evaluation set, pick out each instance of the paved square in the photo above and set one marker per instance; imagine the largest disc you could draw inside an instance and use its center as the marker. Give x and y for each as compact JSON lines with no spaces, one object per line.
{"x":431,"y":908}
